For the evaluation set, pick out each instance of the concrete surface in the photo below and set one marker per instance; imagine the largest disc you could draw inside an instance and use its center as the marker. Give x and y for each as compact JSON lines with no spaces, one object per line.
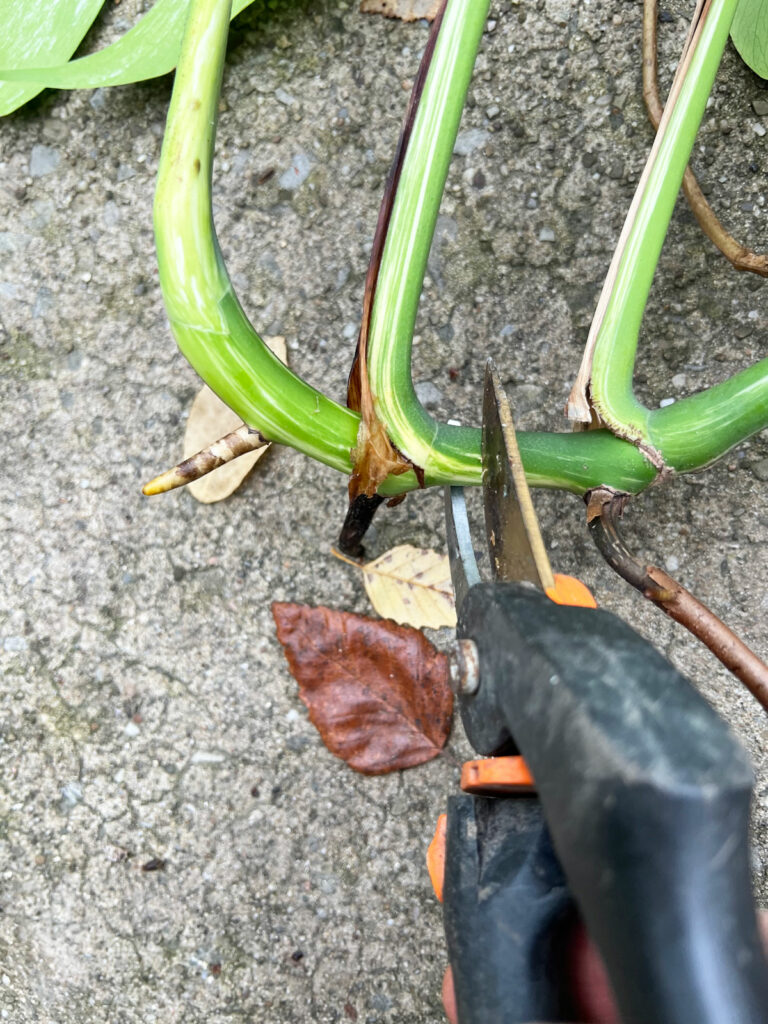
{"x":147,"y":713}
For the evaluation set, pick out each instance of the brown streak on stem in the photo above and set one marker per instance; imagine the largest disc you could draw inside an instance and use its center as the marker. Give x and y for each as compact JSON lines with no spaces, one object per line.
{"x":604,"y":508}
{"x":741,"y":257}
{"x":375,"y":456}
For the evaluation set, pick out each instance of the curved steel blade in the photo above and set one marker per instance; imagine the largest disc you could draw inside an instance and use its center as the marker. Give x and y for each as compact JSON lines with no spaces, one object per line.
{"x":514,"y":539}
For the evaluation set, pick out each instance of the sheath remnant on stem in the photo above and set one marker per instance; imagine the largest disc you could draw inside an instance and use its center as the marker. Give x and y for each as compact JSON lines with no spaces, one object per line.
{"x":604,"y":509}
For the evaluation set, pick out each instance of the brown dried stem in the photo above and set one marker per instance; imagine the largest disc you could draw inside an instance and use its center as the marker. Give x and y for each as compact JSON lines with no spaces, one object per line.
{"x":239,"y":442}
{"x":741,"y":257}
{"x":604,"y":508}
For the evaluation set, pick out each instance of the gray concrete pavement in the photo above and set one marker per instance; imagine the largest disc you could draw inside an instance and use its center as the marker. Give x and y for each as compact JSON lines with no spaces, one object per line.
{"x":146,"y":712}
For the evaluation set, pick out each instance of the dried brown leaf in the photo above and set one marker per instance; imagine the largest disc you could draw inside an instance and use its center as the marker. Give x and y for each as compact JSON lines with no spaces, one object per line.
{"x":377,"y":693}
{"x":405,"y":10}
{"x":210,"y":419}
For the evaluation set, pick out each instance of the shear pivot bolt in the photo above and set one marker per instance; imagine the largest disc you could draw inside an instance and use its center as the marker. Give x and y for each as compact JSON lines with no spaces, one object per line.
{"x":465,"y":668}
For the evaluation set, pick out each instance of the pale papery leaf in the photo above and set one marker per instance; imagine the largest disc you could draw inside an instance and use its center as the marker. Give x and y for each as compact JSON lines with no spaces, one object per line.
{"x":405,"y":10}
{"x":410,"y":585}
{"x":377,"y":693}
{"x":210,"y":419}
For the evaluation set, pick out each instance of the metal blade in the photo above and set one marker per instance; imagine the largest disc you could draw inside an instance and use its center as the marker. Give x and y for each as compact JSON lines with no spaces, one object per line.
{"x":514,"y":538}
{"x":461,"y":554}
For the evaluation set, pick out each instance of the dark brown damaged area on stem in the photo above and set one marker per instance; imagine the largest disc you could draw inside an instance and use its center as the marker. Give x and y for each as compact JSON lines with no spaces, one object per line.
{"x":374,"y":457}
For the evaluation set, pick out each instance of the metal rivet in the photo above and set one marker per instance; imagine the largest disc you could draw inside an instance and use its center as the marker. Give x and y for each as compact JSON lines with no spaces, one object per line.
{"x":465,"y":668}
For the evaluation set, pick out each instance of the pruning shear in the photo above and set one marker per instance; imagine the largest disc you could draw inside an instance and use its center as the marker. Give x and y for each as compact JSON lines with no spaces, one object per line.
{"x":639,"y":822}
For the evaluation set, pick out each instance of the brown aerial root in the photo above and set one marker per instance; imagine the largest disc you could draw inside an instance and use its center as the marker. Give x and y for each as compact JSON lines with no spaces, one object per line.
{"x":604,"y":508}
{"x":739,"y":255}
{"x":239,"y":442}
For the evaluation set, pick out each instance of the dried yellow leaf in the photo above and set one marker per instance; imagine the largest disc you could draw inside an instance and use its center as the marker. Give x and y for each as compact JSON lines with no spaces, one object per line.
{"x":405,"y":10}
{"x":210,"y":419}
{"x":412,"y":586}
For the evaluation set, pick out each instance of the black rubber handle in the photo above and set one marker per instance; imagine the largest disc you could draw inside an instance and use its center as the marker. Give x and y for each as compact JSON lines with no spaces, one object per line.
{"x":507,"y":913}
{"x":646,"y":793}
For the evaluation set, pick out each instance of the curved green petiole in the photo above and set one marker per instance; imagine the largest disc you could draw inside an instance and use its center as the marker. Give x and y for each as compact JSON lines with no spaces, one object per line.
{"x":698,"y":429}
{"x":205,"y":315}
{"x":215,"y":335}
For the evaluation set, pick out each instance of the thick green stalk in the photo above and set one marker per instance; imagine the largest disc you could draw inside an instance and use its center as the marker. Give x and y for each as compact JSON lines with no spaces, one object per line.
{"x":206,"y":317}
{"x":617,"y":339}
{"x":699,"y":429}
{"x":215,"y":335}
{"x":440,"y":449}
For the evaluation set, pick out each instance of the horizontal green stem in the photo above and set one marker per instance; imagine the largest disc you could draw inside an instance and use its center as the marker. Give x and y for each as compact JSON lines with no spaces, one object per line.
{"x":699,"y":429}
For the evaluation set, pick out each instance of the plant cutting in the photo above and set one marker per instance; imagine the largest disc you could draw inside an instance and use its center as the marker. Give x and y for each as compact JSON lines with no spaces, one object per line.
{"x":633,"y":447}
{"x":276,"y":464}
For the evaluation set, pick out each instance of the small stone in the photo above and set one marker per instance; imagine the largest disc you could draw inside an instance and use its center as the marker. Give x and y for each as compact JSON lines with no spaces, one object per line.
{"x":206,"y":757}
{"x":71,"y":793}
{"x":546,"y":235}
{"x":671,"y":564}
{"x":99,"y":99}
{"x":478,"y":180}
{"x":759,"y":129}
{"x":665,"y":402}
{"x":284,"y":97}
{"x":124,"y":172}
{"x":14,"y":644}
{"x":467,"y":142}
{"x":429,"y":395}
{"x":760,"y":469}
{"x":131,"y":729}
{"x":43,"y":302}
{"x":678,"y":381}
{"x":760,"y":106}
{"x":295,"y":176}
{"x":492,"y":112}
{"x":43,"y":160}
{"x":616,"y":170}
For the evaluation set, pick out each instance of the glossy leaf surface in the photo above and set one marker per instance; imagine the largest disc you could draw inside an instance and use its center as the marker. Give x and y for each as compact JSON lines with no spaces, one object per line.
{"x":149,"y":49}
{"x":39,"y":32}
{"x":749,"y":32}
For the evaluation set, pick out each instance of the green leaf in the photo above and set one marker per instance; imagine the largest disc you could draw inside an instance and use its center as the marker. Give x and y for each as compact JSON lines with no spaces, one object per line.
{"x":149,"y":49}
{"x":39,"y":30}
{"x":749,"y":33}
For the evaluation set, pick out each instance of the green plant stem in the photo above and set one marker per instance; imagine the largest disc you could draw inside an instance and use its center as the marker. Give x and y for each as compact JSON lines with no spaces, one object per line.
{"x":440,"y":449}
{"x":215,"y":335}
{"x":617,"y":339}
{"x":699,"y":429}
{"x":205,"y":315}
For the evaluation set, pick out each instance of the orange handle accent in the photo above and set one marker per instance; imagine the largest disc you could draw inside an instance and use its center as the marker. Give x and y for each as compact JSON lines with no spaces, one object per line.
{"x":436,"y":856}
{"x":497,"y":775}
{"x":569,"y":590}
